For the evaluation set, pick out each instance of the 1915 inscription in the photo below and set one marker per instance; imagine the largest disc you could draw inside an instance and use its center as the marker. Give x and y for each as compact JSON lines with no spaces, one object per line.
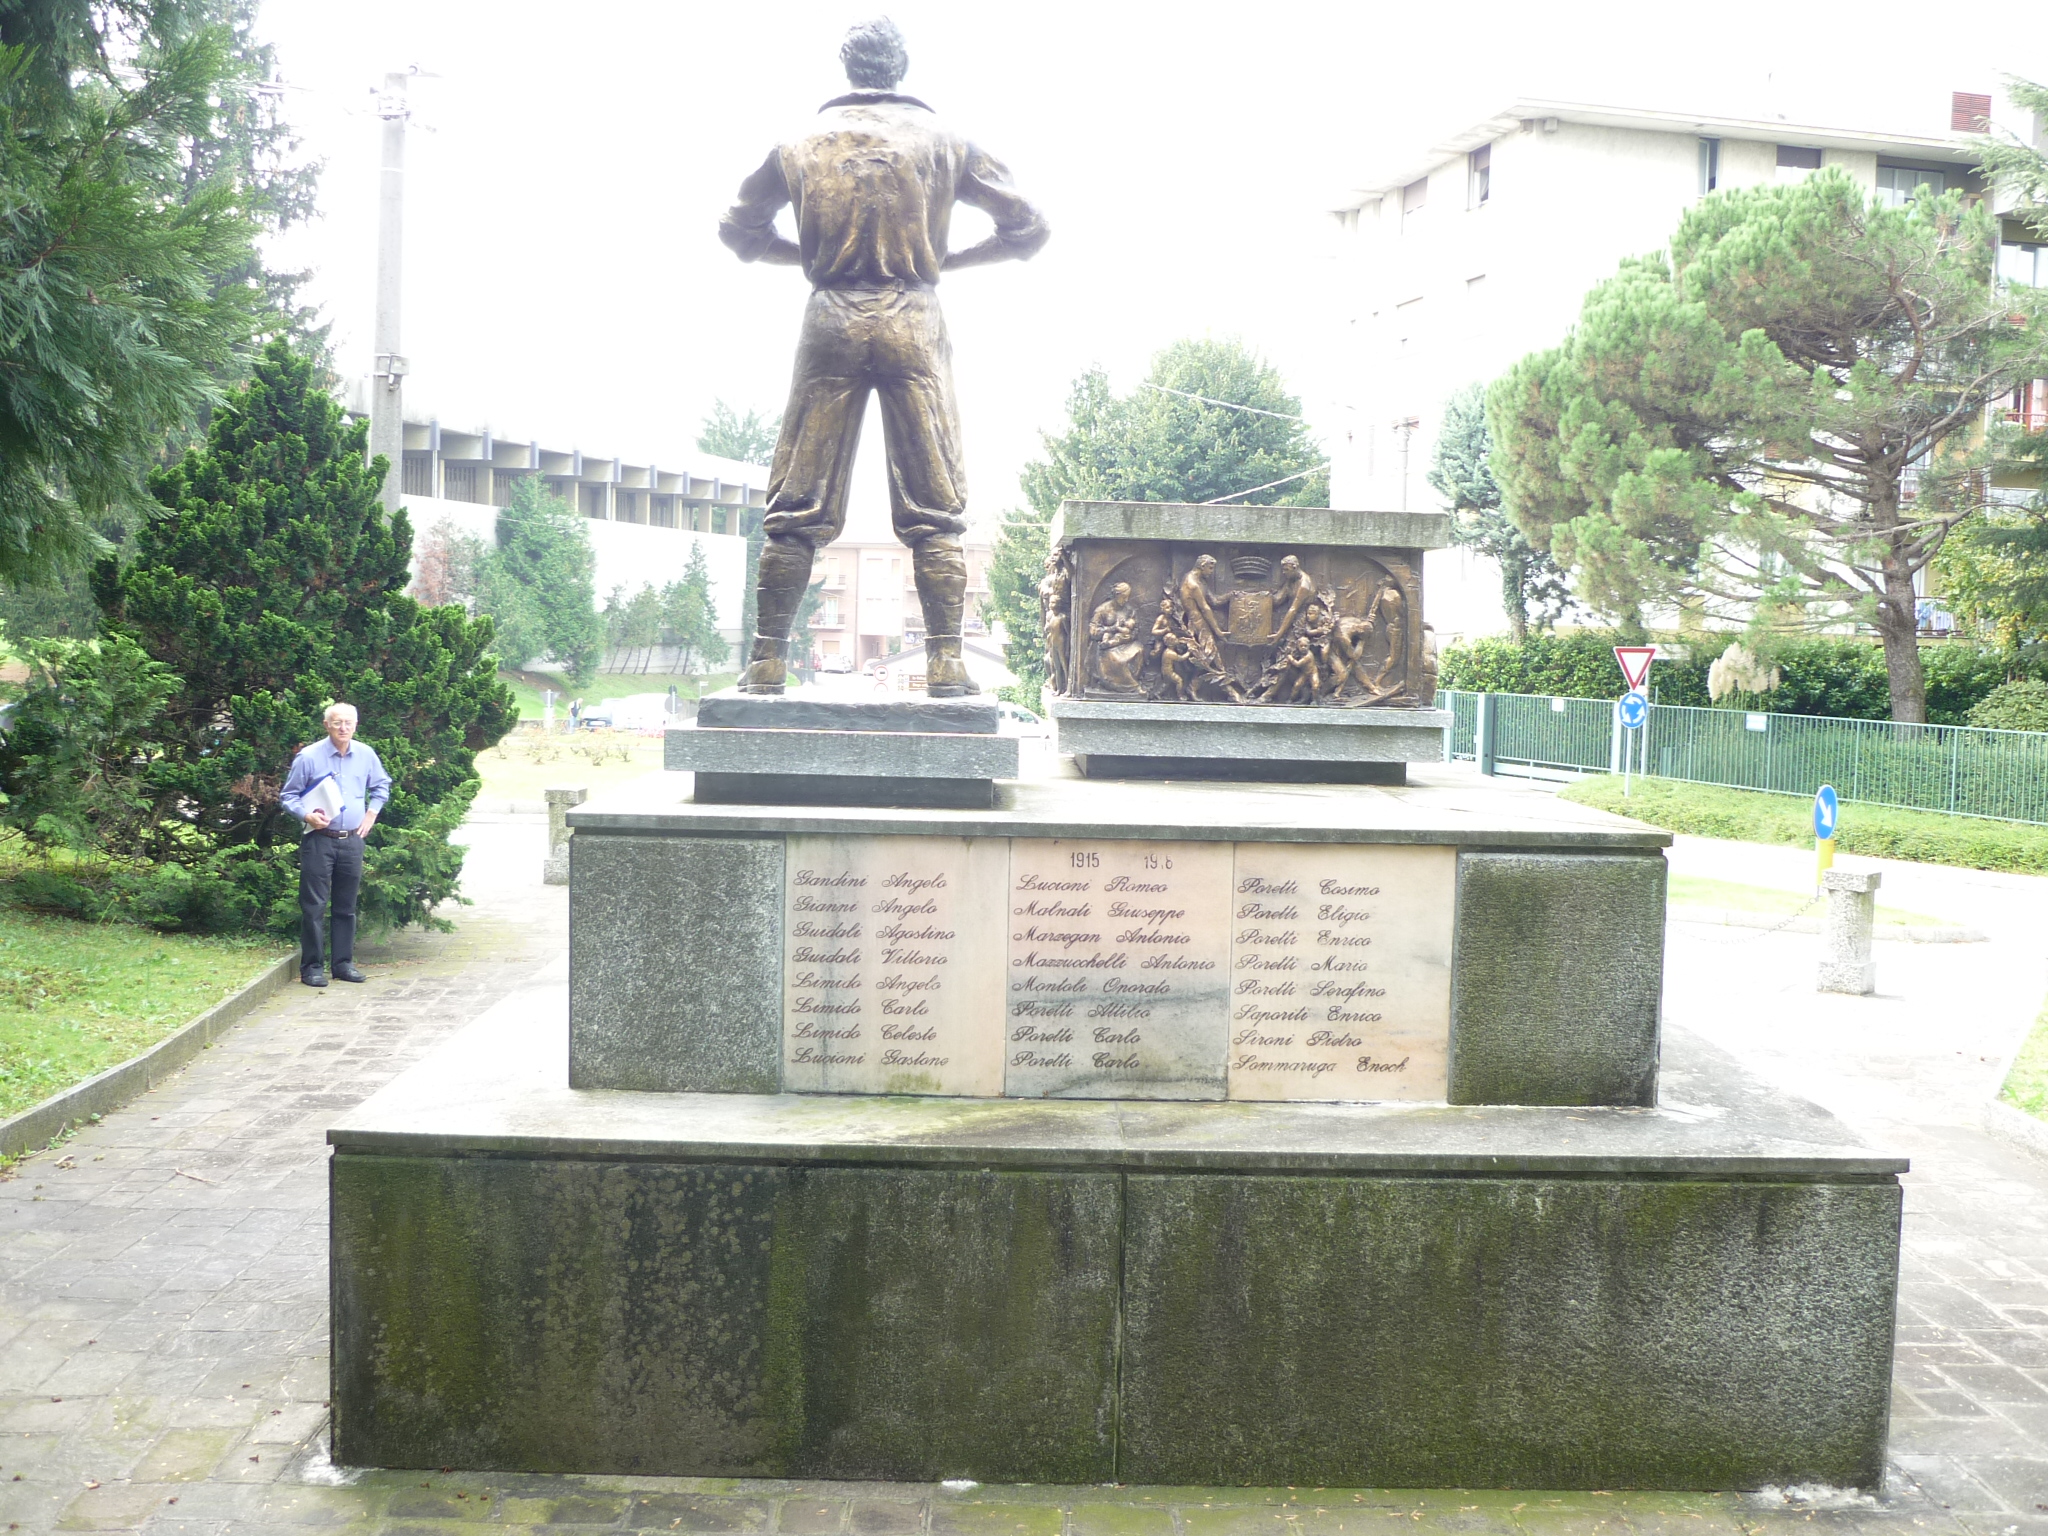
{"x":888,"y":985}
{"x":1116,"y":986}
{"x":1340,"y":971}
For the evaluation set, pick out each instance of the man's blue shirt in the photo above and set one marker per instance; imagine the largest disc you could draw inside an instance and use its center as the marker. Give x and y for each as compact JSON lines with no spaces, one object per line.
{"x":360,"y":777}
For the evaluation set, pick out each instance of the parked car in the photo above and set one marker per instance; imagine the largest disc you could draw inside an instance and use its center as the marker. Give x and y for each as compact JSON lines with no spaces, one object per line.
{"x":1016,"y":720}
{"x":836,"y":664}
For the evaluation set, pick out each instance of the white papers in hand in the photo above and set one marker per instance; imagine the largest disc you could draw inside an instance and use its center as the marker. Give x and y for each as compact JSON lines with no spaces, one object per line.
{"x":325,"y":795}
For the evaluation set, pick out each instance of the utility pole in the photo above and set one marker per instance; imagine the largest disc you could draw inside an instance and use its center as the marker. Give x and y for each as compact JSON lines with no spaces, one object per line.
{"x":387,"y":381}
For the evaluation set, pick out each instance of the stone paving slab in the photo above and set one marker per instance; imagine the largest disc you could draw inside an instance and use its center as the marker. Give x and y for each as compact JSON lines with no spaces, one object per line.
{"x":185,"y":1239}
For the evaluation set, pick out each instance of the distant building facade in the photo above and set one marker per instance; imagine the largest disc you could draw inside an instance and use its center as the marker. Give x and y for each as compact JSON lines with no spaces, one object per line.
{"x":645,"y":516}
{"x":869,"y":607}
{"x":1470,"y":253}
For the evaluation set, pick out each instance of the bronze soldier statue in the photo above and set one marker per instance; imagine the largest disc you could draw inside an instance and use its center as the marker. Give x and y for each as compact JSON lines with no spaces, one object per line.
{"x":872,"y":189}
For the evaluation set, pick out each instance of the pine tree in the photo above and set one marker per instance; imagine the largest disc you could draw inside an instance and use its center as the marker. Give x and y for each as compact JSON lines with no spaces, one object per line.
{"x":1463,"y":476}
{"x":539,"y":584}
{"x":271,"y":585}
{"x":1785,"y":421}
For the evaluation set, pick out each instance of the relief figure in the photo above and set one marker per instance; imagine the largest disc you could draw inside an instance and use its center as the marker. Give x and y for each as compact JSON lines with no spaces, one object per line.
{"x":1119,"y":654}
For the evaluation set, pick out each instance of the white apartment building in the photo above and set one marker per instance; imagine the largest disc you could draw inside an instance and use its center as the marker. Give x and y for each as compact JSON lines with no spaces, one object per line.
{"x":1467,"y":254}
{"x":645,"y":516}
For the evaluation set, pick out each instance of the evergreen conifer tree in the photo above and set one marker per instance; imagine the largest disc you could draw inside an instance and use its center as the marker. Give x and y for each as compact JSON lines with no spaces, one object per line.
{"x":539,"y":583}
{"x":271,"y":585}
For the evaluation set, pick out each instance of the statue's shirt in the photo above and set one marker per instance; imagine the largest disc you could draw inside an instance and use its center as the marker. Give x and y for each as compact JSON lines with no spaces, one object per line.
{"x":873,"y":192}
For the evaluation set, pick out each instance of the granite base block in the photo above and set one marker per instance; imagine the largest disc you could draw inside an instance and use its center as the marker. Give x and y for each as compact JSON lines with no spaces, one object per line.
{"x":675,"y":963}
{"x":1100,"y":765}
{"x":728,"y":1320}
{"x":1556,"y":978}
{"x":840,"y":754}
{"x":1507,"y":1333}
{"x":1253,"y":742}
{"x":915,"y":712}
{"x":527,"y":1277}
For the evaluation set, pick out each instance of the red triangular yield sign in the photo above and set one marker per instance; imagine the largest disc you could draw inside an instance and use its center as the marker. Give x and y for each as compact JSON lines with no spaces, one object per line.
{"x":1635,"y":662}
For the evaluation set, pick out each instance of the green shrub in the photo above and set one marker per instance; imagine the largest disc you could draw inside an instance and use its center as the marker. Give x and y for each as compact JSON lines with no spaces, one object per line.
{"x":1926,"y":837}
{"x":2020,"y":706}
{"x":1838,"y":676}
{"x":1027,"y":691}
{"x":270,"y":585}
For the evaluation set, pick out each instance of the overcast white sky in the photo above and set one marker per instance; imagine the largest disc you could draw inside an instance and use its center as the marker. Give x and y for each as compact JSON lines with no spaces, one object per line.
{"x":564,"y":276}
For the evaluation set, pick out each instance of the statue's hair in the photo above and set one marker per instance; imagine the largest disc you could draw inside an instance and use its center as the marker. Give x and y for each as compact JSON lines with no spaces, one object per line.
{"x":874,"y":55}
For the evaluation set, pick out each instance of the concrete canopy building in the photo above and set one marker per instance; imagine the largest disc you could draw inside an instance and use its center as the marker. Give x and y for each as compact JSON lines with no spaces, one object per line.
{"x":645,"y":516}
{"x":1466,"y":254}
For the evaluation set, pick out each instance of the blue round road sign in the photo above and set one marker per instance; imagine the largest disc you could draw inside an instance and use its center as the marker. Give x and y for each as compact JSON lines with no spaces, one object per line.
{"x":1827,"y":810}
{"x":1633,"y":708}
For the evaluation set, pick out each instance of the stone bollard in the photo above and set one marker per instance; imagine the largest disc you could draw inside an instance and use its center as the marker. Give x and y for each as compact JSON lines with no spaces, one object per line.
{"x":555,"y":871}
{"x":1845,"y":963}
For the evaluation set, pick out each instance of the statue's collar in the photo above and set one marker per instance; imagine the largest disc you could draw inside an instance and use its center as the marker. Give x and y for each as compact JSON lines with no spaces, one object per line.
{"x":868,"y":98}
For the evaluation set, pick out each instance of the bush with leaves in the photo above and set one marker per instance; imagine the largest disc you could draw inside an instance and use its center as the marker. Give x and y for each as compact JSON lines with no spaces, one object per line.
{"x":271,"y":585}
{"x":2020,"y":706}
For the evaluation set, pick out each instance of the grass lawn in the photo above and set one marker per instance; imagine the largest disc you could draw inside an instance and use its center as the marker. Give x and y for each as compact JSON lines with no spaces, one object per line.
{"x":2026,"y":1086}
{"x":526,"y":763}
{"x":77,"y":997}
{"x":526,"y":687}
{"x":1927,"y":837}
{"x":1697,"y":891}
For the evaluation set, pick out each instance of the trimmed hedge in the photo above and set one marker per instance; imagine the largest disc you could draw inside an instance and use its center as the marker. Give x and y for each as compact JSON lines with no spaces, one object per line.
{"x":1841,"y":677}
{"x":1926,"y":837}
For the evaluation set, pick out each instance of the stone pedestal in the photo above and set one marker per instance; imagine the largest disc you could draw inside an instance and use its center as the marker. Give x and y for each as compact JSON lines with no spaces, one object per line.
{"x":752,"y":749}
{"x":555,"y":870}
{"x":531,"y":1277}
{"x":1111,"y":740}
{"x":1845,"y":931}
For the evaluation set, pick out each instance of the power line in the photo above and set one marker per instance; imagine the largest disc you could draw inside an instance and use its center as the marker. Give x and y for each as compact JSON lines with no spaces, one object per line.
{"x":1228,"y":405}
{"x":1215,"y":501}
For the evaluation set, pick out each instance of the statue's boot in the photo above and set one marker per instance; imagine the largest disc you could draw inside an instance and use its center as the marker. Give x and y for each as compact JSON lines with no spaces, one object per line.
{"x":945,"y":674}
{"x":785,"y":571}
{"x":941,"y":570}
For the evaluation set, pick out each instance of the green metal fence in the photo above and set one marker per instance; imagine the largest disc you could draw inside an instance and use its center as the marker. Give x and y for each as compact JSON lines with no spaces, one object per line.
{"x":1961,"y":770}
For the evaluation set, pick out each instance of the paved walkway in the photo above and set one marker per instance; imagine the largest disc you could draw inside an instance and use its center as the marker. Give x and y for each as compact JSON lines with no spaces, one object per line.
{"x":163,"y":1328}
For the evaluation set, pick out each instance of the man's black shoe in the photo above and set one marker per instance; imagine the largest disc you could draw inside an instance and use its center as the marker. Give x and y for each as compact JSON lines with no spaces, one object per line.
{"x":345,"y":970}
{"x":313,"y":976}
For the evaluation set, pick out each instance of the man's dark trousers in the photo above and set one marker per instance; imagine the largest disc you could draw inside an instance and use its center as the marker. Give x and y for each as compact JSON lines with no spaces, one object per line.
{"x":328,"y":866}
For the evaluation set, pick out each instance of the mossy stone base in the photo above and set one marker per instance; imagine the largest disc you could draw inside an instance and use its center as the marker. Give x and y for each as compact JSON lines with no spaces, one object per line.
{"x":1506,"y":1333}
{"x":724,"y":1321}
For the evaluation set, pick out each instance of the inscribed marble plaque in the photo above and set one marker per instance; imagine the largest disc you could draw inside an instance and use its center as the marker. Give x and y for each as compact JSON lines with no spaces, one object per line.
{"x":1118,"y":980}
{"x":1340,"y":967}
{"x":892,"y":965}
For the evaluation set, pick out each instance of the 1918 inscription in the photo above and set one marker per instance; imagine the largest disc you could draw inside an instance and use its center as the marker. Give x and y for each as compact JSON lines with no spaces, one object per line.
{"x":1115,"y":984}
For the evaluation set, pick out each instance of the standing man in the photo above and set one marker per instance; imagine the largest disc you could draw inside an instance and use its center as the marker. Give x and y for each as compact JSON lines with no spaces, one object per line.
{"x":331,"y":852}
{"x":872,"y":188}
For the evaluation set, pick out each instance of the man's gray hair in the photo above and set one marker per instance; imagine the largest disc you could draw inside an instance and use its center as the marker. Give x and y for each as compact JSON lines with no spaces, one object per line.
{"x":337,"y":708}
{"x":874,"y":55}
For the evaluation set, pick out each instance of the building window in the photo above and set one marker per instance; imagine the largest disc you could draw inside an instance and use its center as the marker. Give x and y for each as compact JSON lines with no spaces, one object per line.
{"x":828,"y":613}
{"x":2024,"y":264}
{"x":1898,"y":185}
{"x":626,"y":507}
{"x":1479,"y":174}
{"x":458,"y":482}
{"x":1414,"y":198}
{"x":1969,"y":112}
{"x":501,"y":487}
{"x":664,"y":513}
{"x":419,"y":474}
{"x":1798,"y":158}
{"x":592,"y":497}
{"x":1710,"y":166}
{"x":2029,"y":406}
